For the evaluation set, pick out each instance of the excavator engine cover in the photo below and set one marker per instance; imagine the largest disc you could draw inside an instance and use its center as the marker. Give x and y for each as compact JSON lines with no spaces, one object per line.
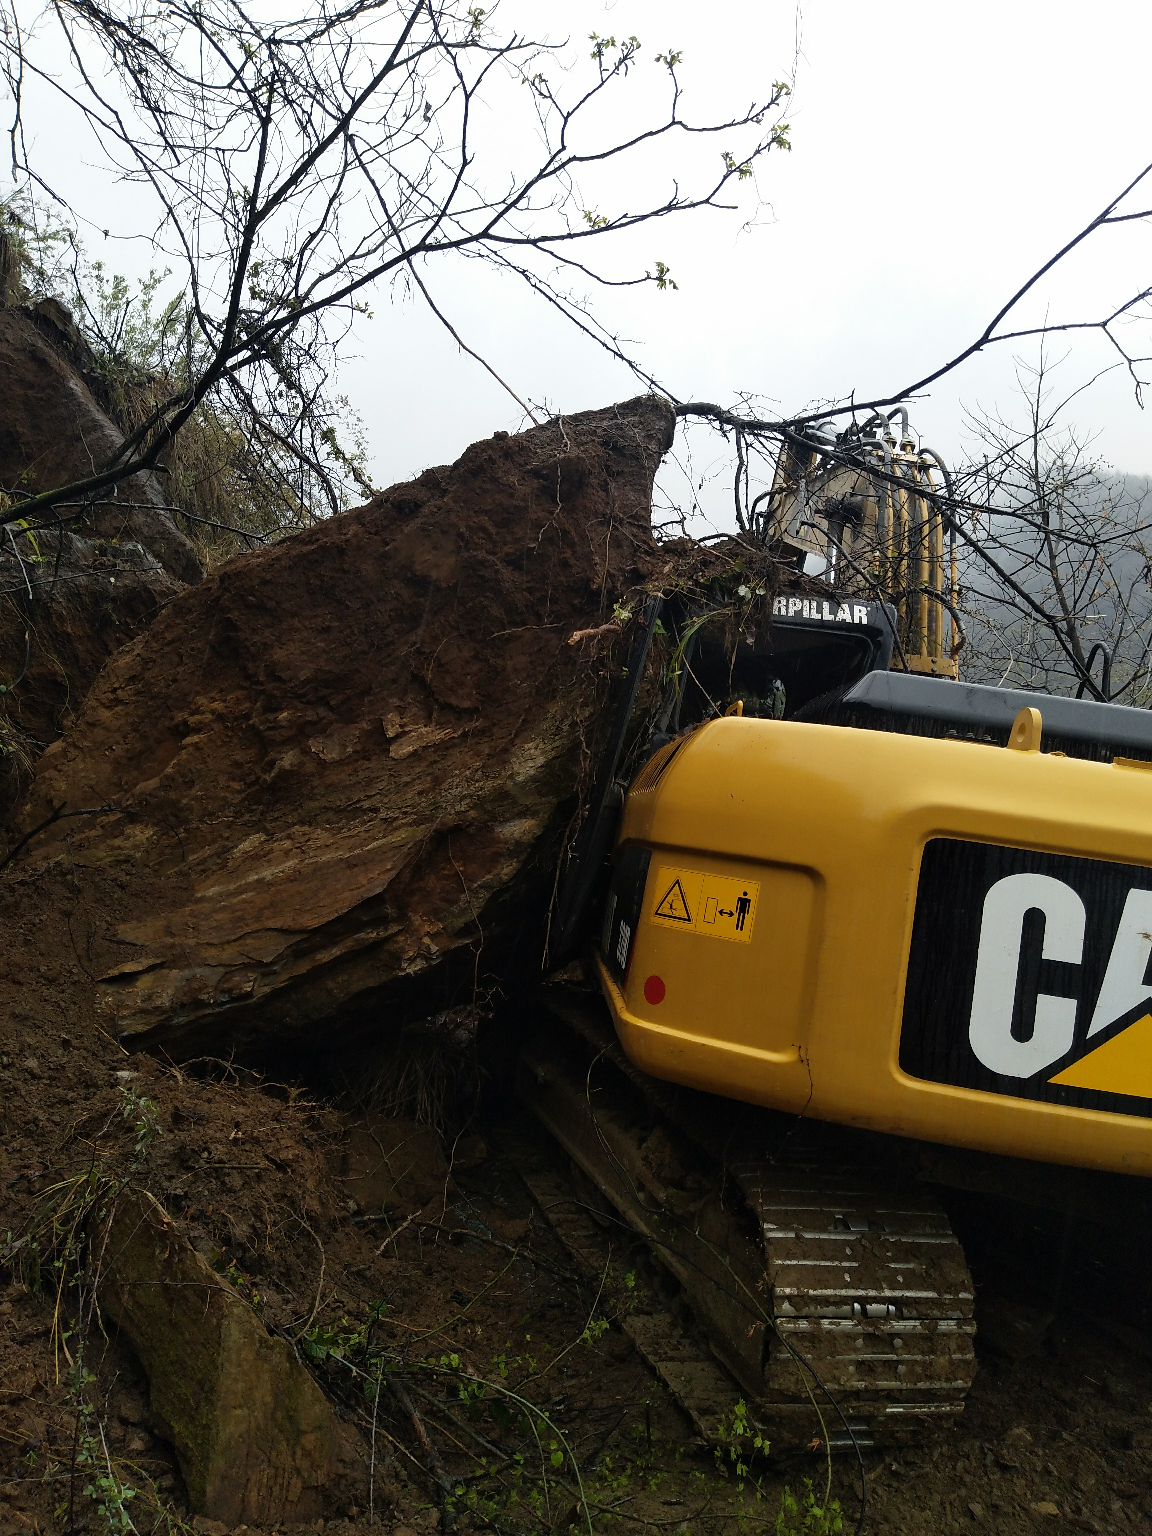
{"x":937,"y":938}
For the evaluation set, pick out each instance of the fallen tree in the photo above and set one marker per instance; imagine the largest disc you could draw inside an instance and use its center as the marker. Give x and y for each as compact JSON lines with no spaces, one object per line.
{"x":346,"y":763}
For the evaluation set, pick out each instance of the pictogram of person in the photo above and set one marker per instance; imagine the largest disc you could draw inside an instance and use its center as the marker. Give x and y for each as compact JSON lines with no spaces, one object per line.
{"x":743,"y":907}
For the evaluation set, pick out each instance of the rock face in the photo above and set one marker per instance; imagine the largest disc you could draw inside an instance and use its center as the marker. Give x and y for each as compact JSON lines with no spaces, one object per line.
{"x":345,"y":752}
{"x":257,"y":1441}
{"x":69,"y":596}
{"x":52,"y":433}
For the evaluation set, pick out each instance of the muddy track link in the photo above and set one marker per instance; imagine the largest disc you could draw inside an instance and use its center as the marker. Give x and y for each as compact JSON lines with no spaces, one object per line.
{"x":685,"y":1364}
{"x":781,"y":1233}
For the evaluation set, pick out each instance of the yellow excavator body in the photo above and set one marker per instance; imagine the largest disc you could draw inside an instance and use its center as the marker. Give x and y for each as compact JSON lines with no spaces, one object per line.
{"x":939,"y":939}
{"x":911,"y":913}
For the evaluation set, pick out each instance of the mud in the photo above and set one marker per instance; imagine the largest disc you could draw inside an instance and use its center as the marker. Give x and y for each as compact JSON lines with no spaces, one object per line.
{"x":457,"y":1272}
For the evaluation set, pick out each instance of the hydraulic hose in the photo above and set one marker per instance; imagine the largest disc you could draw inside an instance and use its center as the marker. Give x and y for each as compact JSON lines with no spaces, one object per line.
{"x":1105,"y":689}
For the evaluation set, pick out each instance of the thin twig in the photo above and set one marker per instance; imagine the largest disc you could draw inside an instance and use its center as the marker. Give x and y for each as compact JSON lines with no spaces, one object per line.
{"x":435,"y":1465}
{"x":319,"y":1284}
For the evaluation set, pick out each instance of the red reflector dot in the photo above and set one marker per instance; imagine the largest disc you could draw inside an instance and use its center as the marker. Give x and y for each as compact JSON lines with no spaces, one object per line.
{"x":654,"y":990}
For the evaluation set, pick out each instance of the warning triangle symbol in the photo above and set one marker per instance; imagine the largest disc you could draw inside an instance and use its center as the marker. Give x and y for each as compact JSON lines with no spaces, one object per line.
{"x":674,"y":904}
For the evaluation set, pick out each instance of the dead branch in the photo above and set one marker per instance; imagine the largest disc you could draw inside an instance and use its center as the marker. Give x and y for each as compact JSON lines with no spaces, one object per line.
{"x":291,"y":168}
{"x":431,"y":1457}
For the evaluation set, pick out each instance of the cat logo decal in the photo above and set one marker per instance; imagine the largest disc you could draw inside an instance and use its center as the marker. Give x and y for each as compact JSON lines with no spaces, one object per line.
{"x":1031,"y":974}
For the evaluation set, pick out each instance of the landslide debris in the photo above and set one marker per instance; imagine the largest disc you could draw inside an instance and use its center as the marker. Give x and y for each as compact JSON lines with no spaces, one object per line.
{"x":256,"y":1438}
{"x":374,"y":1250}
{"x":349,"y":759}
{"x":256,"y":1177}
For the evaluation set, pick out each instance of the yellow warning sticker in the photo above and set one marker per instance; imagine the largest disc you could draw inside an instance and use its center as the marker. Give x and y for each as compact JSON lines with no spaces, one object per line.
{"x":695,"y":902}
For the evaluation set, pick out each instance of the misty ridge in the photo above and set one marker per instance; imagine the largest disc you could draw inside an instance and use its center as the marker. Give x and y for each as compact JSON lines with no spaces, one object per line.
{"x":1075,"y":542}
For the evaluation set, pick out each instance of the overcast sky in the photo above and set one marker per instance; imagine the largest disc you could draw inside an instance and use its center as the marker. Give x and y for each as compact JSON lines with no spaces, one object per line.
{"x":941,"y":154}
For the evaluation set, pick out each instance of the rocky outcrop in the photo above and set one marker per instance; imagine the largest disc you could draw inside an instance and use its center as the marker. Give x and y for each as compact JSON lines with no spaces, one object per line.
{"x":52,"y":433}
{"x":257,"y":1441}
{"x":67,"y":603}
{"x":348,"y":755}
{"x":72,"y":594}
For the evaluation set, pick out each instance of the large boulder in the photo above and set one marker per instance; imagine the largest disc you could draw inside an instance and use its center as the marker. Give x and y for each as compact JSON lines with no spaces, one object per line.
{"x":352,"y":757}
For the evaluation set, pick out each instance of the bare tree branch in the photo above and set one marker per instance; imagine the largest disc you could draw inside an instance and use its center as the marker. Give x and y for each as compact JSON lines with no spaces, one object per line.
{"x":295,"y":164}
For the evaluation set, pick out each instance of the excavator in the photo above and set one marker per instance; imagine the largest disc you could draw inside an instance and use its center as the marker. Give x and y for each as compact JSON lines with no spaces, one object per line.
{"x":853,"y":931}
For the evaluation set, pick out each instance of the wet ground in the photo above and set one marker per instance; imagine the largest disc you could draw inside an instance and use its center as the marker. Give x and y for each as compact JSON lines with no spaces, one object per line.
{"x":528,"y":1408}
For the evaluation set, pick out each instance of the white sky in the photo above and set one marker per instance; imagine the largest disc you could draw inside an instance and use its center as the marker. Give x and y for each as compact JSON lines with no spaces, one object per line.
{"x":941,"y":154}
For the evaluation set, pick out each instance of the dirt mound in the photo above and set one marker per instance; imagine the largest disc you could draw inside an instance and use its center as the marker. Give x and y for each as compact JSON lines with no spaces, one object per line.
{"x":348,"y":755}
{"x":447,"y":1313}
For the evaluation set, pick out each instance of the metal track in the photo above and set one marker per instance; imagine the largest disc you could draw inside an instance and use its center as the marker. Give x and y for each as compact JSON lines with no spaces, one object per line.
{"x":684,"y":1363}
{"x":824,"y":1248}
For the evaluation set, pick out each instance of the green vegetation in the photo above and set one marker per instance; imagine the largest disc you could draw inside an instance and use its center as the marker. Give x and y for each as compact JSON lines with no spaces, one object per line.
{"x":739,"y":1444}
{"x":523,"y":1473}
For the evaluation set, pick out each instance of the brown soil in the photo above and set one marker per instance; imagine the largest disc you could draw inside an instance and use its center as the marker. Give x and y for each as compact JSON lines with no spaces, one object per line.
{"x":259,"y":1174}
